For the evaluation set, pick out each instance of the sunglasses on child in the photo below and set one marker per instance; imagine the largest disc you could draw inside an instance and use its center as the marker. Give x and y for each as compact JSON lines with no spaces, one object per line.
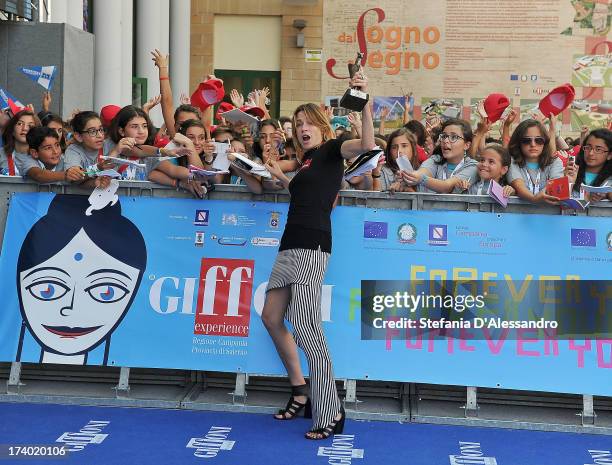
{"x":535,"y":140}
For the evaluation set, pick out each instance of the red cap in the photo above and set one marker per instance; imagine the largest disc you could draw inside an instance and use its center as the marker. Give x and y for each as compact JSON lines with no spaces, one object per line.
{"x":494,"y":105}
{"x":208,"y":93}
{"x":107,"y":113}
{"x":161,"y":142}
{"x":255,"y":111}
{"x":421,"y":153}
{"x":223,"y":107}
{"x":557,"y":100}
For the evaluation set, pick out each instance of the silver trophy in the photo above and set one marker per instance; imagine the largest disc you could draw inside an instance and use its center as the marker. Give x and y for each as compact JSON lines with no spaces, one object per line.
{"x":354,"y":99}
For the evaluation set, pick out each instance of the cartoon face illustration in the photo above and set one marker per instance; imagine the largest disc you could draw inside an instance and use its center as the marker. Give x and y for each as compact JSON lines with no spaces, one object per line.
{"x":73,"y":300}
{"x":77,"y":275}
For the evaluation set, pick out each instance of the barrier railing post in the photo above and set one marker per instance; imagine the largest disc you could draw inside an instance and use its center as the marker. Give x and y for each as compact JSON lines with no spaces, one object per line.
{"x":14,"y":382}
{"x":405,"y":398}
{"x":123,"y":388}
{"x":471,"y":404}
{"x":239,"y":395}
{"x":588,"y":411}
{"x":350,"y":385}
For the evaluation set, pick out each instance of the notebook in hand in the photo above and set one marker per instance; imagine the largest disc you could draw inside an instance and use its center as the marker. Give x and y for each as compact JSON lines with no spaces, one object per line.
{"x":574,"y":204}
{"x":365,"y":162}
{"x":496,"y":192}
{"x":404,"y":164}
{"x":242,"y":162}
{"x":559,"y":187}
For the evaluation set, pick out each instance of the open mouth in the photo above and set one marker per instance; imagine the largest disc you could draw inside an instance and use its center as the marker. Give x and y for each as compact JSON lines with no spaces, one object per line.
{"x":68,"y":332}
{"x":305,"y":138}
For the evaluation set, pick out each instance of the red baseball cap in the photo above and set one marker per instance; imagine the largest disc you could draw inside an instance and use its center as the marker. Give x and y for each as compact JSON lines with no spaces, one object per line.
{"x":208,"y":93}
{"x":223,"y":107}
{"x":107,"y":113}
{"x":557,"y":100}
{"x":494,"y":105}
{"x":255,"y":111}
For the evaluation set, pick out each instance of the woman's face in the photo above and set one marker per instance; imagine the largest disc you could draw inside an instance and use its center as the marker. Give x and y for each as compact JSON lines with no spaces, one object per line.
{"x":593,"y":159}
{"x":400,"y":145}
{"x":307,"y":133}
{"x":57,"y":127}
{"x":429,"y":145}
{"x":136,"y":128}
{"x":92,"y":137}
{"x":237,"y":146}
{"x":288,"y":128}
{"x":532,"y":143}
{"x":490,"y":165}
{"x":22,"y":127}
{"x":453,"y":144}
{"x":197,"y":135}
{"x":265,"y":135}
{"x":75,"y":299}
{"x":184,"y":116}
{"x":223,"y":137}
{"x":49,"y":152}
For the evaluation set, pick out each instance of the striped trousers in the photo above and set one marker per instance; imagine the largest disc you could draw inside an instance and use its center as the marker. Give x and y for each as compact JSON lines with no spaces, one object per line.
{"x":303,"y":271}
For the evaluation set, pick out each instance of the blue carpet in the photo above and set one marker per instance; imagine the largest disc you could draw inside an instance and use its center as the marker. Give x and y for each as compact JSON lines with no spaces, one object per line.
{"x":131,"y":436}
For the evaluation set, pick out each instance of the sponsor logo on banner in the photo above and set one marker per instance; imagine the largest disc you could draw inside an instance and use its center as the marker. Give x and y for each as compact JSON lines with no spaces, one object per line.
{"x":232,"y":240}
{"x":341,"y":450}
{"x":407,"y":233}
{"x":91,"y":433}
{"x":471,"y":454}
{"x":375,"y":229}
{"x":584,"y":238}
{"x":438,"y":234}
{"x":201,"y":218}
{"x":609,"y":241}
{"x":212,"y":443}
{"x":600,"y":457}
{"x":224,"y":297}
{"x":199,"y":239}
{"x":234,"y":219}
{"x":274,"y":222}
{"x":229,"y":219}
{"x":265,"y":241}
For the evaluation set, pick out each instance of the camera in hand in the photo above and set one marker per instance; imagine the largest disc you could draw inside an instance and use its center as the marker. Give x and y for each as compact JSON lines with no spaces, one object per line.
{"x":354,"y":99}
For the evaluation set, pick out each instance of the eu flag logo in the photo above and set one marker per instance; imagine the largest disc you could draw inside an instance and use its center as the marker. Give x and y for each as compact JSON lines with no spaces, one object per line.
{"x":375,"y":230}
{"x":584,"y":237}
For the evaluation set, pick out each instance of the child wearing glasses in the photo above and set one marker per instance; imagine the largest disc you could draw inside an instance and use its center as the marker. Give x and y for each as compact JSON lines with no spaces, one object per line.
{"x":593,"y":166}
{"x":14,"y":154}
{"x":449,"y":168}
{"x":86,"y":149}
{"x":532,"y":162}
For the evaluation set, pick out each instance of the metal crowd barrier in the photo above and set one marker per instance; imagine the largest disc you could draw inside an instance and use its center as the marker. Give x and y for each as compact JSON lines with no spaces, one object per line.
{"x":411,"y":402}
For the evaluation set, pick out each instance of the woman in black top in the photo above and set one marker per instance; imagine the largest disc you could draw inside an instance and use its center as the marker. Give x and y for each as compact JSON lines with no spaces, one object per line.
{"x":294,"y":287}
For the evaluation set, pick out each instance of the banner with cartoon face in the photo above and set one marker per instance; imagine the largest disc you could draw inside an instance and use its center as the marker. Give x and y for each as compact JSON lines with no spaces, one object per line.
{"x":180,"y":283}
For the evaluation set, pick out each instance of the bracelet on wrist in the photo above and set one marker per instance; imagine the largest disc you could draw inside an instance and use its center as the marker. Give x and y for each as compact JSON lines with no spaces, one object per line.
{"x":424,"y":179}
{"x":376,"y":176}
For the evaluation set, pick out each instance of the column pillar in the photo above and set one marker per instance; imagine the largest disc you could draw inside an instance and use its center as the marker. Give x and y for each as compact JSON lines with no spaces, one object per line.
{"x":180,"y":47}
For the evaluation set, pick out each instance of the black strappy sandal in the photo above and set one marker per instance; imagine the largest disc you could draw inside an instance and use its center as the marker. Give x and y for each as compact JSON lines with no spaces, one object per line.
{"x":335,"y":427}
{"x":293,"y":407}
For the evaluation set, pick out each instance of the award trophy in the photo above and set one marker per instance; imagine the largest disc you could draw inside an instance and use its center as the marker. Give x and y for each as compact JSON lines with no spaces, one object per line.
{"x":354,"y":99}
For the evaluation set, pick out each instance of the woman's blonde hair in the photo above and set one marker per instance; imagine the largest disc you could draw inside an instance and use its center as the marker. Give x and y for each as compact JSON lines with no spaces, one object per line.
{"x":318,"y":118}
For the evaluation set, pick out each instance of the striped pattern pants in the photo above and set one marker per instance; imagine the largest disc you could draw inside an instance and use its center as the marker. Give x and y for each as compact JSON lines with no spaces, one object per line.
{"x":303,"y":270}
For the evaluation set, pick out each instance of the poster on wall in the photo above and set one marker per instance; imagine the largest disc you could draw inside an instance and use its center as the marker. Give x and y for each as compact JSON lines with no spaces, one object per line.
{"x":456,"y":50}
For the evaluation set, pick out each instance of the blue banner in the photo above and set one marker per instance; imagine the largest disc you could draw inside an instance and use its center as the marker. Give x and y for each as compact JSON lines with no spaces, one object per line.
{"x":176,"y":283}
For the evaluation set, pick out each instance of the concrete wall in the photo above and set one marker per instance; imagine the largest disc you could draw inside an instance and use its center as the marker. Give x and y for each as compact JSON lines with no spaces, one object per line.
{"x":38,"y":44}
